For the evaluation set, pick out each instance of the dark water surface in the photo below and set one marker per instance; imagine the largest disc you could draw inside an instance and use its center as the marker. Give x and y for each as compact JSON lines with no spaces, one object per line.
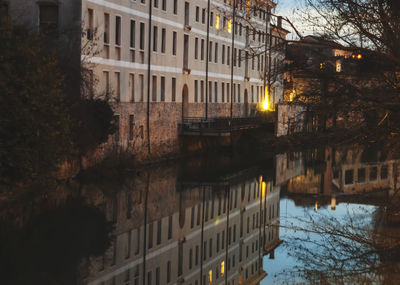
{"x":323,"y":216}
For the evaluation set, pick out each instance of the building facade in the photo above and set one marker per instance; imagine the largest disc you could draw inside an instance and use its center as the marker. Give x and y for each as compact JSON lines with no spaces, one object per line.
{"x":157,"y":64}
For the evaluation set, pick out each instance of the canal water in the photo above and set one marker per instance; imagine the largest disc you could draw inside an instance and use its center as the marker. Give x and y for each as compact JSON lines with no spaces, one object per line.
{"x":324,"y":216}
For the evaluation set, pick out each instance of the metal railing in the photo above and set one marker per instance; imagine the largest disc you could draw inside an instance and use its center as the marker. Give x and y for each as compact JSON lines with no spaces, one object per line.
{"x":219,"y":124}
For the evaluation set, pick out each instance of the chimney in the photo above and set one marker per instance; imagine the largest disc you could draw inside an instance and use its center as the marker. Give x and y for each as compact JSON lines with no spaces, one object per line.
{"x":279,"y":24}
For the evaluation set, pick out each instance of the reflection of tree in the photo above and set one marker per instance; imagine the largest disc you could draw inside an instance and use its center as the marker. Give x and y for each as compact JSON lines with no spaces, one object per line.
{"x":354,"y":248}
{"x":49,"y":247}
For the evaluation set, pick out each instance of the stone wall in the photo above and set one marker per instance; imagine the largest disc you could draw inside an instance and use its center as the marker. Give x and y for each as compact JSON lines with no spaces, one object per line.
{"x":164,"y":120}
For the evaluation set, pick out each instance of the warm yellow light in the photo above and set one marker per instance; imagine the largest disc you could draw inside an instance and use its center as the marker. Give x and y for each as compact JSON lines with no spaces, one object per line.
{"x":217,"y":21}
{"x":353,"y":56}
{"x":230,"y":26}
{"x":292,"y":95}
{"x":359,"y":56}
{"x":210,"y":277}
{"x":264,"y":186}
{"x":333,"y":203}
{"x":316,"y":206}
{"x":222,"y":268}
{"x":265,"y":105}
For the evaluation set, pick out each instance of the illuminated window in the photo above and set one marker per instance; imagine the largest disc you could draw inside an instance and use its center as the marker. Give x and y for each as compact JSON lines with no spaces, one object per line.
{"x":222,"y":268}
{"x":338,"y":66}
{"x":210,"y":277}
{"x":230,"y":26}
{"x":217,"y":21}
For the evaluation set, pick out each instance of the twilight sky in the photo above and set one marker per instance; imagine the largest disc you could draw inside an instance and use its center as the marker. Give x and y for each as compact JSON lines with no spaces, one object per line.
{"x":287,"y":8}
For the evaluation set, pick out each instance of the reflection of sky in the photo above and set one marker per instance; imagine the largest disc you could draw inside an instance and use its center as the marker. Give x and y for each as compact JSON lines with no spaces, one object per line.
{"x":282,"y":261}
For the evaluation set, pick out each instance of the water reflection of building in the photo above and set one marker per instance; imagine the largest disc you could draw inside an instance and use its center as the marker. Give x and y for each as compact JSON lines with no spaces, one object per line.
{"x":327,"y":175}
{"x":202,"y":234}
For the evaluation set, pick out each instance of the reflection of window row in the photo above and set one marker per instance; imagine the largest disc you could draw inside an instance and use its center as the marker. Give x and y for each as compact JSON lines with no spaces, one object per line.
{"x":361,"y":177}
{"x":162,"y":248}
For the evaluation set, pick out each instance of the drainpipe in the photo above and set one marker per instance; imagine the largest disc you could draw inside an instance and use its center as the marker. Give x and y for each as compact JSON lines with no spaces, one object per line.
{"x":207,"y":54}
{"x":148,"y":77}
{"x":232,"y":53}
{"x":267,"y":19}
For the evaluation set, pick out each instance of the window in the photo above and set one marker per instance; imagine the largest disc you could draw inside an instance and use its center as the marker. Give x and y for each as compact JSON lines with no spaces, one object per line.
{"x":217,"y":21}
{"x":202,"y":91}
{"x":106,"y":28}
{"x":142,"y":36}
{"x":190,"y":258}
{"x":210,"y":249}
{"x":131,"y":127}
{"x":234,"y":57}
{"x":210,"y":52}
{"x":187,"y":13}
{"x":132,"y":86}
{"x":228,"y":56}
{"x":173,"y":43}
{"x":209,"y":91}
{"x":118,"y":30}
{"x":196,"y":91}
{"x":175,"y":7}
{"x":361,"y":175}
{"x":106,"y":76}
{"x":155,"y":36}
{"x":202,"y":49}
{"x":216,"y":91}
{"x":155,"y":3}
{"x":173,"y":89}
{"x":168,"y":271}
{"x":216,"y":53}
{"x":196,"y":46}
{"x":192,"y":218}
{"x":211,"y":19}
{"x":227,"y":92}
{"x":223,"y":54}
{"x":157,"y":276}
{"x":48,"y":19}
{"x":141,"y":86}
{"x":169,"y":227}
{"x":150,"y":235}
{"x":197,"y":13}
{"x":118,"y":85}
{"x":154,"y":89}
{"x":222,"y":92}
{"x":90,"y":29}
{"x":162,"y":89}
{"x":203,"y":16}
{"x":238,"y":92}
{"x":132,"y":38}
{"x":348,"y":177}
{"x":163,"y":40}
{"x":164,"y":5}
{"x":159,"y":232}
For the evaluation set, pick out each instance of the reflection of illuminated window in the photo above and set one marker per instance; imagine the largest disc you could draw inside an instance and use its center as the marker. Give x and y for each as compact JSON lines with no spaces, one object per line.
{"x":222,"y":268}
